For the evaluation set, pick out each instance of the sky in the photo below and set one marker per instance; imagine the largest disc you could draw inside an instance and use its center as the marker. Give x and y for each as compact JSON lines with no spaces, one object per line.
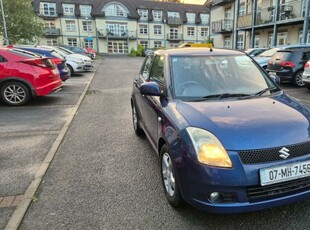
{"x":194,"y":1}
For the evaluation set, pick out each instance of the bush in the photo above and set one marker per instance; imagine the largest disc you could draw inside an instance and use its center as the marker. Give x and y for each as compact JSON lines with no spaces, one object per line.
{"x":132,"y":53}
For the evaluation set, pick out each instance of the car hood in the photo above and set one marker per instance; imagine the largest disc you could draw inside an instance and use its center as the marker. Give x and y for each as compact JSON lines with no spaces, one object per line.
{"x":80,"y":56}
{"x":255,"y":123}
{"x":260,"y":60}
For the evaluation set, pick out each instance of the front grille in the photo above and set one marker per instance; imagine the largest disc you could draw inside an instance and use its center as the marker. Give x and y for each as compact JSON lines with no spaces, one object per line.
{"x":276,"y":190}
{"x":273,"y":154}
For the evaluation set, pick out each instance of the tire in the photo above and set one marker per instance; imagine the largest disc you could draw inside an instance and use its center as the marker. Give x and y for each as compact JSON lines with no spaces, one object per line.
{"x":169,"y":179}
{"x":297,"y":80}
{"x":14,"y":93}
{"x":308,"y":87}
{"x":70,"y":69}
{"x":135,"y":121}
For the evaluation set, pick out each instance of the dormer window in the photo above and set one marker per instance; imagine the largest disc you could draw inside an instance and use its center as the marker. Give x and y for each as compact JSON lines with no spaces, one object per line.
{"x":173,"y":15}
{"x":48,"y":9}
{"x":191,"y":17}
{"x":115,"y":10}
{"x":204,"y":18}
{"x":85,"y":10}
{"x":68,"y":9}
{"x":143,"y":14}
{"x":157,"y":15}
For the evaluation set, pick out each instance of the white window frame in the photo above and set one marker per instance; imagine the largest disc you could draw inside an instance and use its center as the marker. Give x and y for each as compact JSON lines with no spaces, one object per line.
{"x":49,"y":24}
{"x":300,"y":38}
{"x":240,"y":41}
{"x":48,"y":8}
{"x":282,"y":36}
{"x":85,"y":10}
{"x":172,"y":14}
{"x":144,"y":14}
{"x":256,"y":41}
{"x":68,"y":9}
{"x":143,"y":29}
{"x":88,"y":43}
{"x":115,"y":10}
{"x":157,"y":44}
{"x":227,"y":43}
{"x":204,"y":18}
{"x":145,"y":44}
{"x":204,"y":31}
{"x":157,"y":15}
{"x":191,"y":17}
{"x":51,"y":42}
{"x":72,"y":41}
{"x":87,"y":26}
{"x":242,"y":9}
{"x":190,"y":31}
{"x":70,"y":25}
{"x":157,"y":29}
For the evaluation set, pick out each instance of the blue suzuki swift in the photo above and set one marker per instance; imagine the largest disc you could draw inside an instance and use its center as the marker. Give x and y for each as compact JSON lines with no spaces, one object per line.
{"x":229,"y":139}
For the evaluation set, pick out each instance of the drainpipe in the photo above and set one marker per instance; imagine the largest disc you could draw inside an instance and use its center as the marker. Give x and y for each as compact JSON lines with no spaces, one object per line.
{"x":6,"y":38}
{"x":254,"y":9}
{"x":306,"y":22}
{"x":275,"y":27}
{"x":236,"y":14}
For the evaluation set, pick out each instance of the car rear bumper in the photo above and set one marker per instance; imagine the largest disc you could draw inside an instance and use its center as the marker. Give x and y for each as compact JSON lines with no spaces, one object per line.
{"x":46,"y":89}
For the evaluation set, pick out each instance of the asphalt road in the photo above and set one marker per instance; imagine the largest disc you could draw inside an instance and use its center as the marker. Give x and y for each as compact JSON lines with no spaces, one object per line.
{"x":103,"y":176}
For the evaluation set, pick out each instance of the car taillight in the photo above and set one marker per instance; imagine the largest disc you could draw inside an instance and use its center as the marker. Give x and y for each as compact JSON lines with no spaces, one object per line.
{"x":57,"y":61}
{"x":307,"y":65}
{"x":287,"y":64}
{"x":45,"y":63}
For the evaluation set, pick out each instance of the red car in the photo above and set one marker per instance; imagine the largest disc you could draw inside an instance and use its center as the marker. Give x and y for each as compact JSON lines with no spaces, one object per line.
{"x":24,"y":75}
{"x":91,"y":51}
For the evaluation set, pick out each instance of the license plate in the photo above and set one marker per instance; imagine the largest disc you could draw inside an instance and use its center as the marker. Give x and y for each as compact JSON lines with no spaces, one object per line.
{"x":283,"y":173}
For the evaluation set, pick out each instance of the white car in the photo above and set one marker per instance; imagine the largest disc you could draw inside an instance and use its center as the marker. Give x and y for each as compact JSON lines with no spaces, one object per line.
{"x":306,"y":75}
{"x":89,"y":63}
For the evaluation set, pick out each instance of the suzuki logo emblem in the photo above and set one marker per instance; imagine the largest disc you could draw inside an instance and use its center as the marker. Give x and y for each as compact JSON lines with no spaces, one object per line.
{"x":284,"y":153}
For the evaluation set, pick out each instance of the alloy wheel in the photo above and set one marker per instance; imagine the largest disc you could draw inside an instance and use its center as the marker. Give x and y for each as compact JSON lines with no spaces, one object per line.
{"x":168,"y":174}
{"x":14,"y":94}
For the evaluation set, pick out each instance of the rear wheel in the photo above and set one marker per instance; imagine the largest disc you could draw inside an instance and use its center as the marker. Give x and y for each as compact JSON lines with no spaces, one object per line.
{"x":169,"y":179}
{"x":15,"y":93}
{"x":297,"y":80}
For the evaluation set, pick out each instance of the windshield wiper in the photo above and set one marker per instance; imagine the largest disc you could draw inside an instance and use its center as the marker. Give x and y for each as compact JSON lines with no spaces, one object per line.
{"x":226,"y":95}
{"x":260,"y":93}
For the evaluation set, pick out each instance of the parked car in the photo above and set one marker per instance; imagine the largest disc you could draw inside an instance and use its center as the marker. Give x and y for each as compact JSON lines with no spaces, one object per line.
{"x":89,"y":63}
{"x":78,"y":50}
{"x":253,"y":52}
{"x":265,"y":56}
{"x":306,"y":75}
{"x":91,"y":51}
{"x":207,"y":114}
{"x":24,"y":75}
{"x":288,"y":65}
{"x":75,"y":64}
{"x":58,"y":59}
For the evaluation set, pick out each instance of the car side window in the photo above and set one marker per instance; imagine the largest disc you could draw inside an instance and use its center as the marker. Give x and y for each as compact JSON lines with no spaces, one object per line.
{"x":2,"y":59}
{"x":157,"y":71}
{"x":145,"y":72}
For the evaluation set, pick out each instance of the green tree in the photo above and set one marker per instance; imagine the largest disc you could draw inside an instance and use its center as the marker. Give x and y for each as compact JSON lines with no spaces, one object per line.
{"x":23,"y":25}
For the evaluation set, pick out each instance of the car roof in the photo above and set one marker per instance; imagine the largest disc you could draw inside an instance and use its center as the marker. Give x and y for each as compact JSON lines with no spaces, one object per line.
{"x":190,"y":51}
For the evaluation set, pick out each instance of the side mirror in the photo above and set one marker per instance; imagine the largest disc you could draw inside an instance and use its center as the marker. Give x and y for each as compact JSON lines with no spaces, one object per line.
{"x":275,"y":79}
{"x":151,"y":89}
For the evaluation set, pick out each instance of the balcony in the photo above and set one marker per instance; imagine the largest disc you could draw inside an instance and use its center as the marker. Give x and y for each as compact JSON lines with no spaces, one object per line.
{"x":51,"y":32}
{"x":174,"y":37}
{"x":117,"y":34}
{"x":222,"y":26}
{"x":245,"y":21}
{"x":174,"y":21}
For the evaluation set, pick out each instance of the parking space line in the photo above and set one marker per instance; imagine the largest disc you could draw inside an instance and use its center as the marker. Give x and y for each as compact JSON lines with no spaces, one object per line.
{"x":22,"y":208}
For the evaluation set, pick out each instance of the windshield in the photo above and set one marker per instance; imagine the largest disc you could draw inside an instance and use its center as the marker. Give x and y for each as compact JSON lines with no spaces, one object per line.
{"x":66,"y":51}
{"x":269,"y":53}
{"x":202,"y":77}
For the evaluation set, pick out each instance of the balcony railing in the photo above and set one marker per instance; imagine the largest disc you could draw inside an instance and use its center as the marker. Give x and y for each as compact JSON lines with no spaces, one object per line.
{"x":50,"y":32}
{"x":174,"y":37}
{"x":288,"y":11}
{"x":117,"y":34}
{"x":222,"y":26}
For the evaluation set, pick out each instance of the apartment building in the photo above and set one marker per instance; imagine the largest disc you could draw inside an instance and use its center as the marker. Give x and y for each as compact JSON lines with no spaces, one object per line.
{"x":242,"y":24}
{"x":116,"y":26}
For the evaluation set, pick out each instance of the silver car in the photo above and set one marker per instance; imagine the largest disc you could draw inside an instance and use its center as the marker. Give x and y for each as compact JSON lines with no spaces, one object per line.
{"x":306,"y":75}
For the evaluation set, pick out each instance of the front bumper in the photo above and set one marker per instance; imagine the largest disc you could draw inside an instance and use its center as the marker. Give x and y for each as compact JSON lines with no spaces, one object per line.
{"x":306,"y":78}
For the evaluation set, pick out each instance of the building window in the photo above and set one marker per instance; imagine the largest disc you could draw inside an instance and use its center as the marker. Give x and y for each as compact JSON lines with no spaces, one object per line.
{"x":143,"y":29}
{"x":145,"y":44}
{"x":157,"y":44}
{"x":204,"y":32}
{"x":118,"y":47}
{"x":190,"y":31}
{"x":143,"y":14}
{"x":242,"y":10}
{"x":256,"y":41}
{"x":72,"y":41}
{"x":157,"y":15}
{"x":88,"y":43}
{"x":87,"y":26}
{"x":157,"y":29}
{"x":240,"y":42}
{"x":48,"y":9}
{"x":204,"y":18}
{"x":173,"y":14}
{"x":116,"y":10}
{"x":68,"y":9}
{"x":49,"y":24}
{"x":51,"y":42}
{"x":117,"y":29}
{"x":70,"y":25}
{"x":270,"y":40}
{"x":282,"y":39}
{"x":85,"y":10}
{"x":191,"y":17}
{"x":301,"y":34}
{"x":227,"y":43}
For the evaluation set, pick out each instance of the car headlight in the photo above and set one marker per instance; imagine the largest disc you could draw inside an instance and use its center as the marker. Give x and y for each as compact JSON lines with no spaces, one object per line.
{"x":208,"y":148}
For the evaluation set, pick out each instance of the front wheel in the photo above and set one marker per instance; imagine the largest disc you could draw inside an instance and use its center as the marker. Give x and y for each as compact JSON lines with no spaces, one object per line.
{"x":169,"y":180}
{"x":297,"y":80}
{"x":135,"y":121}
{"x":14,"y":93}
